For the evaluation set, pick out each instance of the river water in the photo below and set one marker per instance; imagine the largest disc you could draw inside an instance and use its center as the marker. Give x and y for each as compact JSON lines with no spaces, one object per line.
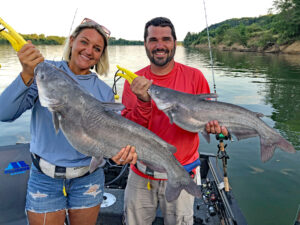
{"x":268,"y":193}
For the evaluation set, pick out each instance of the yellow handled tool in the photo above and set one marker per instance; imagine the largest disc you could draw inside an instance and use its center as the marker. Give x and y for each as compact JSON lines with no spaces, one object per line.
{"x":15,"y":39}
{"x":128,"y":75}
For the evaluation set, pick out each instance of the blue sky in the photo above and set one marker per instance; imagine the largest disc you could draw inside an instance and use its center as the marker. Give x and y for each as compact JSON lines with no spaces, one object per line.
{"x":125,"y":18}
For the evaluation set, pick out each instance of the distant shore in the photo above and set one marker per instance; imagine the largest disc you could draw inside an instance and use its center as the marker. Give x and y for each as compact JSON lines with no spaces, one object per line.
{"x":293,"y":48}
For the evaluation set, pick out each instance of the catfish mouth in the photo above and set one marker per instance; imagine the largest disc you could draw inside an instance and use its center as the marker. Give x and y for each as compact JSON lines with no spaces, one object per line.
{"x":161,"y":104}
{"x":49,"y":102}
{"x":164,"y":107}
{"x":46,"y":101}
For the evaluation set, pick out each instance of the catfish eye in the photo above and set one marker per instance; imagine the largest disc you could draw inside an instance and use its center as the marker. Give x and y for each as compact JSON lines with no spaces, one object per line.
{"x":42,"y":76}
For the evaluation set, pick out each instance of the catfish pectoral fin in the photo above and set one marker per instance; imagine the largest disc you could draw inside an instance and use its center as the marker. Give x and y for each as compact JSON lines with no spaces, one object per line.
{"x":206,"y":136}
{"x":243,"y":132}
{"x":55,"y":119}
{"x":169,"y":114}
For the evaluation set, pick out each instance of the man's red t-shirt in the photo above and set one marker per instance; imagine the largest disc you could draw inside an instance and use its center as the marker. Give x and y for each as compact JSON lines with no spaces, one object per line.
{"x":182,"y":78}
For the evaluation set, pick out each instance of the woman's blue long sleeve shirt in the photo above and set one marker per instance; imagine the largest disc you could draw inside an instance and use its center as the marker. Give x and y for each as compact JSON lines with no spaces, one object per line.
{"x":17,"y":98}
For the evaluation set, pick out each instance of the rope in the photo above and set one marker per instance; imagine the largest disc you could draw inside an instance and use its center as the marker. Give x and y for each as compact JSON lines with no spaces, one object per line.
{"x":114,"y":87}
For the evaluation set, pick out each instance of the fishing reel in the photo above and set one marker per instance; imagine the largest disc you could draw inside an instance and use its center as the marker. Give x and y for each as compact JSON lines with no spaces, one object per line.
{"x":222,"y":154}
{"x":209,"y":197}
{"x":221,"y":137}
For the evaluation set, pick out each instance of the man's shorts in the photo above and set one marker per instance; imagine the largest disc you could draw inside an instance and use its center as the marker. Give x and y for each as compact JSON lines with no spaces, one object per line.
{"x":47,"y":194}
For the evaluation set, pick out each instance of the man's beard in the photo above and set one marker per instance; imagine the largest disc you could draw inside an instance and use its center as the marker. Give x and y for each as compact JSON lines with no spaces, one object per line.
{"x":161,"y":62}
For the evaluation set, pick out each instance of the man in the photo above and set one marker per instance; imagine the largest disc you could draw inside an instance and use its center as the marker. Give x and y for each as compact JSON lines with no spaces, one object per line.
{"x":145,"y":191}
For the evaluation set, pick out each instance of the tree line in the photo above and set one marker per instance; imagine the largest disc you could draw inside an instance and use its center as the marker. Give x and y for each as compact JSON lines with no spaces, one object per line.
{"x":41,"y":39}
{"x":120,"y":41}
{"x":280,"y":28}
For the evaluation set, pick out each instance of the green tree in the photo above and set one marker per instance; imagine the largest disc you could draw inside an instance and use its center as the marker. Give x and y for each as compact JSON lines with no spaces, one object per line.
{"x":236,"y":35}
{"x":287,"y":23}
{"x":190,"y":39}
{"x":220,"y":32}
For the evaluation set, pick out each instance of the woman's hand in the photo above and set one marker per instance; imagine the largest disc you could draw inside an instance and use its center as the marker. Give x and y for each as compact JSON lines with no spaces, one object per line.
{"x":29,"y":57}
{"x":126,"y":155}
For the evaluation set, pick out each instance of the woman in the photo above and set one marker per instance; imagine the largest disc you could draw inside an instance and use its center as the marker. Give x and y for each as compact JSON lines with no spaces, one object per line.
{"x":59,"y":177}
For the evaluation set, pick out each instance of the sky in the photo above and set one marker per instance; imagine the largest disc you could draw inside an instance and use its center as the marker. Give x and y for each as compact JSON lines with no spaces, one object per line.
{"x":124,"y":18}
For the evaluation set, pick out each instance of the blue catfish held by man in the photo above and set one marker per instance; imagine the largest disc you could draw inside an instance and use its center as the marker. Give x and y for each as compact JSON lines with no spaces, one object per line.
{"x":94,"y":129}
{"x":192,"y":112}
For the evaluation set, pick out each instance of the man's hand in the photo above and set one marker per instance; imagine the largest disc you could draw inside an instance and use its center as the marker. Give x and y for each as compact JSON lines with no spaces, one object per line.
{"x":140,"y":86}
{"x":126,"y":155}
{"x":213,"y":127}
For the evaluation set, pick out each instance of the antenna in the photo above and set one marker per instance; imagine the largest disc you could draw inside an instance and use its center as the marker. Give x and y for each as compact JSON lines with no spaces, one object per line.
{"x":210,"y":53}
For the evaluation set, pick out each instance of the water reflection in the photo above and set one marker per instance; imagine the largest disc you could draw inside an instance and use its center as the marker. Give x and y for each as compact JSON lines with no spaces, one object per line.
{"x":277,"y":78}
{"x":268,"y":193}
{"x":265,"y":83}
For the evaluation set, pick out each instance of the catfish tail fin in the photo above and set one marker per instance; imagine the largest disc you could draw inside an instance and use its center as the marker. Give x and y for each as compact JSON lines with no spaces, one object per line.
{"x":268,"y":146}
{"x":172,"y":193}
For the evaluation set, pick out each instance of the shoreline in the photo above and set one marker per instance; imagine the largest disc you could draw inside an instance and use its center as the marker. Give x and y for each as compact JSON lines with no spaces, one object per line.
{"x":293,"y":48}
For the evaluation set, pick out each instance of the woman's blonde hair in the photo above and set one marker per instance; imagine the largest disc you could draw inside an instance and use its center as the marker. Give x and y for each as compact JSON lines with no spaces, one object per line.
{"x":102,"y":66}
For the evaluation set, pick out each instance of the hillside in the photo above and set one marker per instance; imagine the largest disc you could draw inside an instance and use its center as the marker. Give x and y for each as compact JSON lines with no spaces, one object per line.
{"x":273,"y":33}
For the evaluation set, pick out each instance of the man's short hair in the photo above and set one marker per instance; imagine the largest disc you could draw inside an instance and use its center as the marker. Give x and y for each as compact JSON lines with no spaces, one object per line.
{"x":160,"y":22}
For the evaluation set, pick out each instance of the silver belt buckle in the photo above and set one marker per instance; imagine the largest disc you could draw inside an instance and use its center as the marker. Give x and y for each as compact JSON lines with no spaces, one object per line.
{"x":47,"y":168}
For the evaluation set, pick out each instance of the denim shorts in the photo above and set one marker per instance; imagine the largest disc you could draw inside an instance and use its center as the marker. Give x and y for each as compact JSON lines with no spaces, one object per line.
{"x":46,"y":194}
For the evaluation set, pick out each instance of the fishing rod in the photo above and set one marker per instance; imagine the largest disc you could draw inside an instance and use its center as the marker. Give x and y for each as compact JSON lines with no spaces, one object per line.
{"x":210,"y":52}
{"x":222,"y":154}
{"x":72,"y":22}
{"x":297,"y":219}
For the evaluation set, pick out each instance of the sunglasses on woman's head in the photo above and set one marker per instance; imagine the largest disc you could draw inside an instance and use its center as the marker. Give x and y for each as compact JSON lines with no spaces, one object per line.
{"x":106,"y":31}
